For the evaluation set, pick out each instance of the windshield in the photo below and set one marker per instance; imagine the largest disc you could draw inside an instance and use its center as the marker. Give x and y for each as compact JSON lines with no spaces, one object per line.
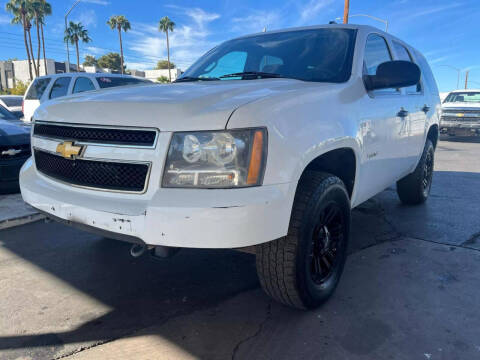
{"x":12,"y":100}
{"x":468,"y":97}
{"x":323,"y":55}
{"x":112,"y":81}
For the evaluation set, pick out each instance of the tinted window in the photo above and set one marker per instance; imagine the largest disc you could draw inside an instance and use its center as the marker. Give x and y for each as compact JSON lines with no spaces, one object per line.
{"x":404,"y":54}
{"x":376,"y":53}
{"x":37,"y":89}
{"x":310,"y":55}
{"x":83,"y":84}
{"x":111,"y":81}
{"x":5,"y":114}
{"x":11,"y":101}
{"x":60,"y":87}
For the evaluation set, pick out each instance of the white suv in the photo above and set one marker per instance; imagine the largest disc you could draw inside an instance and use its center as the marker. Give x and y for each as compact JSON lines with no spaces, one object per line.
{"x":265,"y":144}
{"x":49,"y":87}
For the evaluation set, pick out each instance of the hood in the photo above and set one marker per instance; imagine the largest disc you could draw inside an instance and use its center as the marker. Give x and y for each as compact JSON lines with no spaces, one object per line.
{"x":14,"y":132}
{"x":461,"y":105}
{"x":174,"y":107}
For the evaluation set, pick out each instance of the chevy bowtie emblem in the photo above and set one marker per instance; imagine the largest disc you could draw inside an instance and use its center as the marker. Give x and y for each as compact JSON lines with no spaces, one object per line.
{"x":68,"y":150}
{"x":11,"y":152}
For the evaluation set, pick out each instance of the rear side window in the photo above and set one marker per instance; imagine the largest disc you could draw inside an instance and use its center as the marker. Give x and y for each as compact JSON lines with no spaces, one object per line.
{"x":11,"y":101}
{"x":83,"y":84}
{"x":376,"y":53}
{"x":110,"y":81}
{"x":427,"y":74}
{"x":5,"y":114}
{"x":404,"y":54}
{"x":37,"y":89}
{"x":60,"y":87}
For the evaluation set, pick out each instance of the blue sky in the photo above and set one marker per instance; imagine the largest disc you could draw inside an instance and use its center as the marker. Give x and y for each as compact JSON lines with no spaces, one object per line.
{"x":446,"y":31}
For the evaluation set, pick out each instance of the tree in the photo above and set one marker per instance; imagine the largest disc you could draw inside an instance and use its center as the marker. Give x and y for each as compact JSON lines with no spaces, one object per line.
{"x":165,"y":25}
{"x":75,"y":33}
{"x":40,"y":9}
{"x":90,"y":61}
{"x":120,"y":23}
{"x":20,"y":88}
{"x":163,"y":64}
{"x":19,"y":10}
{"x":110,"y":61}
{"x":163,"y":79}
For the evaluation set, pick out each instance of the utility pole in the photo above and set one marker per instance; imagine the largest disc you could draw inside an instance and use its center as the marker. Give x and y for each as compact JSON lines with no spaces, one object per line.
{"x":345,"y":11}
{"x":466,"y":79}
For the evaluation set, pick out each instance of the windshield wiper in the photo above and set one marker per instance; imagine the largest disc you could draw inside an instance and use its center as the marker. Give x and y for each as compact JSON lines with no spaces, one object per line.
{"x":253,"y":75}
{"x":193,"y":78}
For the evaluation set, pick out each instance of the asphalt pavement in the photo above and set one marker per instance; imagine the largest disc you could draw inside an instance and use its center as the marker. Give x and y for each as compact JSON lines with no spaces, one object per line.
{"x":410,"y":289}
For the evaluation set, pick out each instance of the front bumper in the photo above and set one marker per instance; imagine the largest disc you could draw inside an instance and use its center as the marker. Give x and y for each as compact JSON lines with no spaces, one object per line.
{"x":460,"y":127}
{"x":196,"y":218}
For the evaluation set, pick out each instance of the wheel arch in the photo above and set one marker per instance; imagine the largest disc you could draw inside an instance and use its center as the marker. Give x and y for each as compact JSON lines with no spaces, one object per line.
{"x":341,"y":162}
{"x":433,"y":134}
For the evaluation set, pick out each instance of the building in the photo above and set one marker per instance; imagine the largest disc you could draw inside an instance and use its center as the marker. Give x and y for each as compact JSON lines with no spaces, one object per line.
{"x":17,"y":70}
{"x":153,"y":75}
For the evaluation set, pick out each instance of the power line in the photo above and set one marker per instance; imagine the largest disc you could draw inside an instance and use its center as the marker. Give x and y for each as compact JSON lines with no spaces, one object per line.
{"x":86,"y":50}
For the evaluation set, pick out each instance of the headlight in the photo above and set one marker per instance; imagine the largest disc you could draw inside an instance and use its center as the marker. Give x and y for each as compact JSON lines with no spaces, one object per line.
{"x":216,"y":159}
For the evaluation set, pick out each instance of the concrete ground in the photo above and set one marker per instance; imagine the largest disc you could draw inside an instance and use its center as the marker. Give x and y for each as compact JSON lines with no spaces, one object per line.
{"x":410,"y":289}
{"x":15,"y":212}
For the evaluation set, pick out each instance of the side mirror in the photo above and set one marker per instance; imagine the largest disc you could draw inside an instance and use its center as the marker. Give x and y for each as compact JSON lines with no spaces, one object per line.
{"x":393,"y":74}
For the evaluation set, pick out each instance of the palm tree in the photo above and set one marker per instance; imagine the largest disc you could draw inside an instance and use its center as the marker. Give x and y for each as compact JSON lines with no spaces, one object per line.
{"x":165,"y":25}
{"x":19,"y":10}
{"x":40,"y":9}
{"x":75,"y":33}
{"x":119,"y":22}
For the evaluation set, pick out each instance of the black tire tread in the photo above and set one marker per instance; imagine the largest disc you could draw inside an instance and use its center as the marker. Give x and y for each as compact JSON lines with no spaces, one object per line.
{"x":408,"y":188}
{"x":276,"y":265}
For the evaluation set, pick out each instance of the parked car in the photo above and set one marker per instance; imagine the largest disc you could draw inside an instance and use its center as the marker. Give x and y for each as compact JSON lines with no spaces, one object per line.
{"x":461,"y":113}
{"x":14,"y":150}
{"x":266,"y":143}
{"x":49,"y":87}
{"x":13,"y":103}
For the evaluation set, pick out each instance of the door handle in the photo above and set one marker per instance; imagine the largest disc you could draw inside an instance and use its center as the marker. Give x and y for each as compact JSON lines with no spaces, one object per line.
{"x":426,"y":109}
{"x":402,"y":113}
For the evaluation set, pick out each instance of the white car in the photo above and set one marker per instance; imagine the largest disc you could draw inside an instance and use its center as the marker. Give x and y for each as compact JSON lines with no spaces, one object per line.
{"x":461,"y":113}
{"x":265,"y":144}
{"x":49,"y":87}
{"x":12,"y":103}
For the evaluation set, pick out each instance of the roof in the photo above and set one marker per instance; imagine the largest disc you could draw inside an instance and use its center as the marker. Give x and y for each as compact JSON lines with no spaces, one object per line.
{"x":11,"y":96}
{"x":465,"y":90}
{"x":323,"y":26}
{"x":87,"y":74}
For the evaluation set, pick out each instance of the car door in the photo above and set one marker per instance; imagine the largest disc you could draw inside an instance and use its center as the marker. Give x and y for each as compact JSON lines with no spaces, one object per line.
{"x":417,"y":109}
{"x":382,"y":117}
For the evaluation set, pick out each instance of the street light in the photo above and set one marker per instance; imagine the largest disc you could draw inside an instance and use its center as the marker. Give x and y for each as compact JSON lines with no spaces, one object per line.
{"x":371,"y":17}
{"x":458,"y":72}
{"x":66,"y":15}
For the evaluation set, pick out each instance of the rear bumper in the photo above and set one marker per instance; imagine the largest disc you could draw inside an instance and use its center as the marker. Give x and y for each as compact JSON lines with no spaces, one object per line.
{"x":227,"y":218}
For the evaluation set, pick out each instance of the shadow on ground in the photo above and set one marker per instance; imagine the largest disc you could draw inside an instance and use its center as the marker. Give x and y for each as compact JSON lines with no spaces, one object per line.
{"x":139,"y":293}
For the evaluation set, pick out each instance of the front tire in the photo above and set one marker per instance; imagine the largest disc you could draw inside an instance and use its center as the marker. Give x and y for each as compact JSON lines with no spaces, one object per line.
{"x":414,"y":188}
{"x":302,"y":269}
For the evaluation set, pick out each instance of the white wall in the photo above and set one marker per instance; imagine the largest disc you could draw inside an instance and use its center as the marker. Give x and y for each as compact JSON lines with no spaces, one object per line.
{"x":153,"y":75}
{"x":21,"y":69}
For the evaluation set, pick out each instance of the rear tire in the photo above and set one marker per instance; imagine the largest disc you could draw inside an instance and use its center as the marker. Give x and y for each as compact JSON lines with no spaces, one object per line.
{"x":302,"y":269}
{"x":414,"y":188}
